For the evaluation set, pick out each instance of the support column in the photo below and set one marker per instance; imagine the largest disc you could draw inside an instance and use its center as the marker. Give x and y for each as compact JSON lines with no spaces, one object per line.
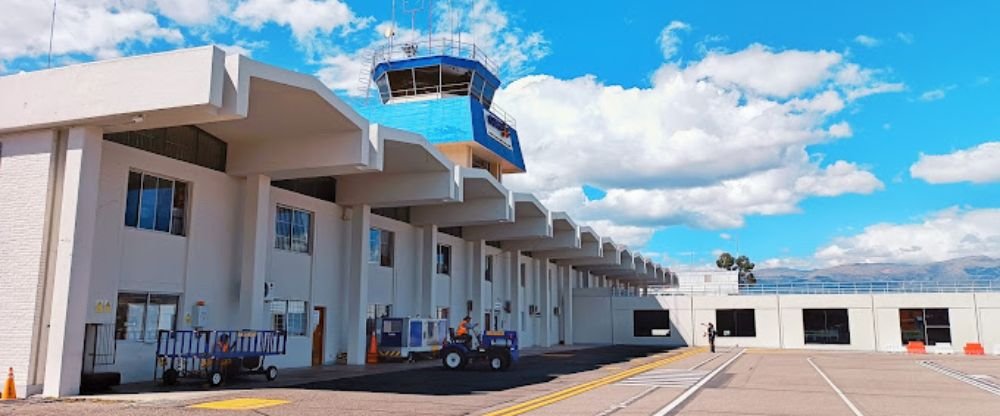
{"x":545,"y":302}
{"x":428,"y":270}
{"x":568,"y":313}
{"x":476,"y":282}
{"x":357,"y":284}
{"x":255,"y":245}
{"x":514,"y":274}
{"x":74,"y":251}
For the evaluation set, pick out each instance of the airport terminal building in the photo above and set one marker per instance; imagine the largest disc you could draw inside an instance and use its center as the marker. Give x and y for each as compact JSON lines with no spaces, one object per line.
{"x":195,"y":190}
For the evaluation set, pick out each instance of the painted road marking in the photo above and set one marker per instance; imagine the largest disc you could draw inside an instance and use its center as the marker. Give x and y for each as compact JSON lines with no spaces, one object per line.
{"x":585,"y":387}
{"x":665,"y":378}
{"x":978,"y":382}
{"x":248,"y":403}
{"x":628,"y":402}
{"x":693,"y":389}
{"x":835,"y":388}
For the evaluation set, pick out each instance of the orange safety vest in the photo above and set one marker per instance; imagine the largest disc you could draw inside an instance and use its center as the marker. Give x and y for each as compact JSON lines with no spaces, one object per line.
{"x":462,"y":329}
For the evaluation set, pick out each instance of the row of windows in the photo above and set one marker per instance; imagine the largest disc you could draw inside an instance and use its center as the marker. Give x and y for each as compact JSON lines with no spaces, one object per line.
{"x":820,"y":326}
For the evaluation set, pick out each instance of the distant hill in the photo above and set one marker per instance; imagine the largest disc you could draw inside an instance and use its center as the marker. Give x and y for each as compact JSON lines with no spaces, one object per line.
{"x":960,"y":269}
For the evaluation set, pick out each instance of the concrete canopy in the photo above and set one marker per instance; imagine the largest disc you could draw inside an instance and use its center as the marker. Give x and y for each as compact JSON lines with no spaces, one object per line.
{"x":590,"y":247}
{"x":484,"y":201}
{"x":411,"y":171}
{"x":531,"y":220}
{"x":565,"y":235}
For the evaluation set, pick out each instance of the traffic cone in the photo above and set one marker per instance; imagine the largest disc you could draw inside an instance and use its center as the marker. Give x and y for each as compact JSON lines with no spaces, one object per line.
{"x":9,"y":392}
{"x":372,"y":357}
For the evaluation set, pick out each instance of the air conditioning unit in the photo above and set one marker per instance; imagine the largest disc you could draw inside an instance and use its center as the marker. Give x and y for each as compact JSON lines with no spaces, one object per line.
{"x":268,"y":290}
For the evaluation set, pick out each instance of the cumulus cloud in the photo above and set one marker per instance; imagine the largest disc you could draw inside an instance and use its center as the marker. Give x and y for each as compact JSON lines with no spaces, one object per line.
{"x":865,"y":40}
{"x":934,"y":95}
{"x":668,"y":39}
{"x":943,"y":235}
{"x":305,"y":18}
{"x":193,"y":12}
{"x":979,"y":164}
{"x":707,"y":144}
{"x":97,"y":28}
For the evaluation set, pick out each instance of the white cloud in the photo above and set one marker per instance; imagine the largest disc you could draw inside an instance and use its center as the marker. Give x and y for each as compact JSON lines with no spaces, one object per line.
{"x":866,"y":40}
{"x":933,"y":95}
{"x":980,"y":164}
{"x":305,"y":18}
{"x":193,"y":12}
{"x":876,"y":88}
{"x":725,"y":236}
{"x":905,"y":37}
{"x":628,"y":235}
{"x":944,"y":235}
{"x":705,"y":145}
{"x":668,"y":39}
{"x":99,"y":28}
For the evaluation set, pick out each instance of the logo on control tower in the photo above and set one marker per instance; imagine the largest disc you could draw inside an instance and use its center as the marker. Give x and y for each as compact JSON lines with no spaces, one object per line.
{"x":498,"y":129}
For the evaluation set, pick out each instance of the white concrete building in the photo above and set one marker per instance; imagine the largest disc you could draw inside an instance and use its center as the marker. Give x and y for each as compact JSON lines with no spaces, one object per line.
{"x":190,"y":189}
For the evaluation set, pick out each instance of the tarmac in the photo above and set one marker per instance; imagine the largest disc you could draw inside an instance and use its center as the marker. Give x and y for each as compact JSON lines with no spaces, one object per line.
{"x":589,"y":380}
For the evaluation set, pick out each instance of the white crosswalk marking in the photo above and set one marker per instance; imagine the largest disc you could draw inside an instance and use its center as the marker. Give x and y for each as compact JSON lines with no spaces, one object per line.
{"x":665,"y":378}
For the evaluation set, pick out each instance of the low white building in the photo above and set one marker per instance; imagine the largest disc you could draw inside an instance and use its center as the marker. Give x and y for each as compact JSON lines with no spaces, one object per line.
{"x":191,"y":189}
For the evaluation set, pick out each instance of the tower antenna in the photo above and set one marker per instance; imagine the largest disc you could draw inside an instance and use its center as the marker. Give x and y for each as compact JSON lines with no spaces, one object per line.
{"x":52,"y":30}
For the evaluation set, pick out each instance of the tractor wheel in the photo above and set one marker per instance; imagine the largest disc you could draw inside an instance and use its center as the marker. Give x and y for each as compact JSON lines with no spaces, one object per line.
{"x":453,"y":359}
{"x":170,"y":377}
{"x":498,"y":360}
{"x":215,"y":379}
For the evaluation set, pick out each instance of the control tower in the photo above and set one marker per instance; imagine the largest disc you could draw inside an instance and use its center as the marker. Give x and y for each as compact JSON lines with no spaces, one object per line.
{"x":443,"y":89}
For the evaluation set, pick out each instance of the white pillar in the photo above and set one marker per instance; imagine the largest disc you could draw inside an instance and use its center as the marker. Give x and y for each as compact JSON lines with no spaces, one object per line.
{"x":516,"y":291}
{"x":428,"y":270}
{"x":74,"y":251}
{"x":568,"y":313}
{"x":476,"y":282}
{"x":545,"y":303}
{"x":255,"y":245}
{"x":357,"y":284}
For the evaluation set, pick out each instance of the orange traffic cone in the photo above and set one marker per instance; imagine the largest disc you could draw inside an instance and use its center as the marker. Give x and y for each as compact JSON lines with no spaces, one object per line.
{"x":372,"y":357}
{"x":9,"y":392}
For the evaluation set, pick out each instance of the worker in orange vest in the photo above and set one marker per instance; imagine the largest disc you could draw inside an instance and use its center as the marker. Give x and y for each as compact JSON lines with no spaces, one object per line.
{"x":462,"y":335}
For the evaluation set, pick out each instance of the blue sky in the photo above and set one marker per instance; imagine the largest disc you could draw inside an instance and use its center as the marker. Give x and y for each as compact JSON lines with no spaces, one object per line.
{"x":937,"y":67}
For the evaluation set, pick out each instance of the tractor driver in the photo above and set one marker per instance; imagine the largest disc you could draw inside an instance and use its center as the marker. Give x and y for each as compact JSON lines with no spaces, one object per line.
{"x":462,"y":335}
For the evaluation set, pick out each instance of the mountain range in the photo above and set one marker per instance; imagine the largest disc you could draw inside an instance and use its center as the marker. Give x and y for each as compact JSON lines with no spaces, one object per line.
{"x":960,"y":269}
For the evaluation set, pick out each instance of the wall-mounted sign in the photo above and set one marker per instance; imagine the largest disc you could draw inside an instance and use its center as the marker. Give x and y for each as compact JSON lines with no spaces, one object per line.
{"x":498,"y":129}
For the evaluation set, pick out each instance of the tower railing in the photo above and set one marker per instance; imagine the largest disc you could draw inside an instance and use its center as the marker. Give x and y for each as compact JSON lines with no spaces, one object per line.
{"x":433,"y":47}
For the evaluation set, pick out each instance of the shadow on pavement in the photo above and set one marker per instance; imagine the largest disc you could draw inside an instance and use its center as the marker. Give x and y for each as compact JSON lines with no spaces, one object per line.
{"x":529,"y":370}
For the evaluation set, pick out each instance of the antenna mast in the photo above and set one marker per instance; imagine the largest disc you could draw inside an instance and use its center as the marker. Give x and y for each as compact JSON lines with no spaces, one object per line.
{"x":52,"y":30}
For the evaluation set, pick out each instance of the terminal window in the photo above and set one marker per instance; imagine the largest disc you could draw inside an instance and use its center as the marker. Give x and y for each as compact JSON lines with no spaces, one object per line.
{"x":735,"y":323}
{"x":826,"y":326}
{"x":292,"y":228}
{"x":381,"y":245}
{"x":141,"y":315}
{"x":155,"y":203}
{"x":288,"y":316}
{"x":929,"y":326}
{"x":651,"y":323}
{"x":489,"y":269}
{"x":444,"y":259}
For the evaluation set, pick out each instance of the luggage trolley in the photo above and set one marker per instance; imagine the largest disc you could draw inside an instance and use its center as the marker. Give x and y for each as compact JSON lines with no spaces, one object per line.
{"x":216,"y":355}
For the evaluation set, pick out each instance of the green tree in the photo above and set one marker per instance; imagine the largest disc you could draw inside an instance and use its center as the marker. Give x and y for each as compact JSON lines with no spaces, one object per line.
{"x":742,"y":264}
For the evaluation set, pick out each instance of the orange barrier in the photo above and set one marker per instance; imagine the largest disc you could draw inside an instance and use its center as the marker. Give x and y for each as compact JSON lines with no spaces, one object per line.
{"x":916,"y":347}
{"x":372,"y":357}
{"x":9,"y":391}
{"x":974,"y":348}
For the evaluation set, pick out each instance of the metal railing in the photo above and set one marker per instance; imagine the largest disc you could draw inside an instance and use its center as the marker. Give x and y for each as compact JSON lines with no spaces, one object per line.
{"x":835,"y":288}
{"x":432,"y":47}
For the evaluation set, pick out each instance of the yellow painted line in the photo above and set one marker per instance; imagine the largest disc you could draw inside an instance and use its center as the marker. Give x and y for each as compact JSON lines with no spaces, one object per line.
{"x":239,"y":404}
{"x":561,"y":395}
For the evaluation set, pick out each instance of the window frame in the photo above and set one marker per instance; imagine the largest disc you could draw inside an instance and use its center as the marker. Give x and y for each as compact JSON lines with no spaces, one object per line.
{"x":846,"y":340}
{"x":380,"y":254}
{"x":289,"y":242}
{"x":285,"y":316}
{"x":488,"y":268}
{"x":121,"y":333}
{"x":737,"y":331}
{"x":926,"y":327}
{"x":444,"y":257}
{"x":176,"y":224}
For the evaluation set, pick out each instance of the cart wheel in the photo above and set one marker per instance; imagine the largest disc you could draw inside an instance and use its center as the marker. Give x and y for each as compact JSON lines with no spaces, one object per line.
{"x":170,"y":377}
{"x":271,"y":373}
{"x":215,"y":379}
